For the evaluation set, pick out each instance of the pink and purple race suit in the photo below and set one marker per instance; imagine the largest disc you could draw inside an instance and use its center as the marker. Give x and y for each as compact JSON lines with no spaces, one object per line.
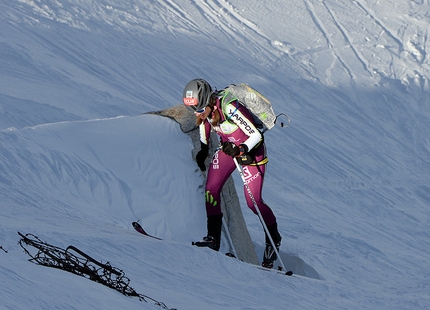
{"x":237,"y":126}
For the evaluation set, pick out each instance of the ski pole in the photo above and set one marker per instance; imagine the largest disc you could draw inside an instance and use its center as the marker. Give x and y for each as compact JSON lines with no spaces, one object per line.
{"x":230,"y":241}
{"x":258,"y":212}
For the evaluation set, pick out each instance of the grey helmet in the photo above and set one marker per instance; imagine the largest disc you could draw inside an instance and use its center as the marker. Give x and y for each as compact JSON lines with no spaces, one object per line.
{"x":197,"y":94}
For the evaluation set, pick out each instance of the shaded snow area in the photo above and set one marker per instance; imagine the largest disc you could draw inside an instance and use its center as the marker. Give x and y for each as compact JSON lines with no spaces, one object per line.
{"x":81,"y":159}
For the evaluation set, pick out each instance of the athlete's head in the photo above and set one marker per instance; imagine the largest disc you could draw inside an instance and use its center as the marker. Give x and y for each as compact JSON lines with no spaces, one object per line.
{"x":197,"y":95}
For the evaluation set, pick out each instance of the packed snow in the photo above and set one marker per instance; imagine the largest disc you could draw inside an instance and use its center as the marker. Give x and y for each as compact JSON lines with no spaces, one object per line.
{"x":81,"y":159}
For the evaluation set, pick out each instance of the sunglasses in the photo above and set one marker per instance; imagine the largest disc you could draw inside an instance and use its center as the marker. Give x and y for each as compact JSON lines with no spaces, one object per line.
{"x":200,"y":111}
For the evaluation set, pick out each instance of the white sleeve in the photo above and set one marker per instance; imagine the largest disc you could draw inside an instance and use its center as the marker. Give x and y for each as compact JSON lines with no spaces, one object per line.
{"x":247,"y":126}
{"x":203,"y":134}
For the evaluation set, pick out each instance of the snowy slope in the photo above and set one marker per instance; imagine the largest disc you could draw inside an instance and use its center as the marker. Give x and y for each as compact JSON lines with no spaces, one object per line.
{"x":348,"y":180}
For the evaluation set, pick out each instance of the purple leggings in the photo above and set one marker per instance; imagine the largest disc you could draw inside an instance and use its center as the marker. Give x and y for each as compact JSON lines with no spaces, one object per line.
{"x":221,"y":167}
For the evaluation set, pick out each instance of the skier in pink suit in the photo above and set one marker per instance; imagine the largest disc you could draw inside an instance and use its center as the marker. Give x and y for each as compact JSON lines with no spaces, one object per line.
{"x":240,"y":139}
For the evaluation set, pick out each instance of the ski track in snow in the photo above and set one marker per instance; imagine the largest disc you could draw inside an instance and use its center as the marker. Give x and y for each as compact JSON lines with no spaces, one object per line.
{"x":325,"y":17}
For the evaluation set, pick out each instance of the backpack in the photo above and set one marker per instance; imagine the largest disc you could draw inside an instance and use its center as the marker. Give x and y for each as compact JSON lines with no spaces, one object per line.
{"x":259,"y":106}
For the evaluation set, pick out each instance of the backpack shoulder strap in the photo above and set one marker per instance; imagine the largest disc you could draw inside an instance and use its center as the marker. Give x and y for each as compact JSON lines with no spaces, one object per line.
{"x":226,"y":98}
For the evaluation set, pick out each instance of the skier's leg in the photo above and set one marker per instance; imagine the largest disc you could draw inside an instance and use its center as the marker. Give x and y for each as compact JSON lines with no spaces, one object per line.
{"x":254,"y":176}
{"x":220,"y":169}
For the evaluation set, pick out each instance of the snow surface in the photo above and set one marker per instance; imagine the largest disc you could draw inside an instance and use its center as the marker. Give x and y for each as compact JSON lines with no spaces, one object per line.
{"x":348,"y":180}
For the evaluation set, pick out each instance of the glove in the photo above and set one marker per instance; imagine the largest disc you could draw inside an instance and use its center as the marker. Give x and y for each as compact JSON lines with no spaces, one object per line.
{"x":201,"y":156}
{"x":233,"y":150}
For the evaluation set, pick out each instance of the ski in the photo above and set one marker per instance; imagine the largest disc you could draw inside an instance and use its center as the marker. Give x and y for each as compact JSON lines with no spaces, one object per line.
{"x":279,"y":270}
{"x":201,"y":244}
{"x":139,"y":229}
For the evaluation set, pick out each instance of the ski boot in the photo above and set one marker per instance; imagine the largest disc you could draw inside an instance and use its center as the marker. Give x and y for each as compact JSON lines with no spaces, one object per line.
{"x":209,"y":242}
{"x":213,"y":239}
{"x":270,"y":256}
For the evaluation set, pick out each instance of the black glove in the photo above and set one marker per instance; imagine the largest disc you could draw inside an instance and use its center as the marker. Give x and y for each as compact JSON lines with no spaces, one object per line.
{"x":233,"y":150}
{"x":201,"y":156}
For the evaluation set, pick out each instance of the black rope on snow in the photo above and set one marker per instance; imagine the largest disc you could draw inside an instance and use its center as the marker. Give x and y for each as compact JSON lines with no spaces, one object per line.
{"x":81,"y":264}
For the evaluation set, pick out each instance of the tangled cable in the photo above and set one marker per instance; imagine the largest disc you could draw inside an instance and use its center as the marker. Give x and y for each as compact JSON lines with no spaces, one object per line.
{"x":81,"y":264}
